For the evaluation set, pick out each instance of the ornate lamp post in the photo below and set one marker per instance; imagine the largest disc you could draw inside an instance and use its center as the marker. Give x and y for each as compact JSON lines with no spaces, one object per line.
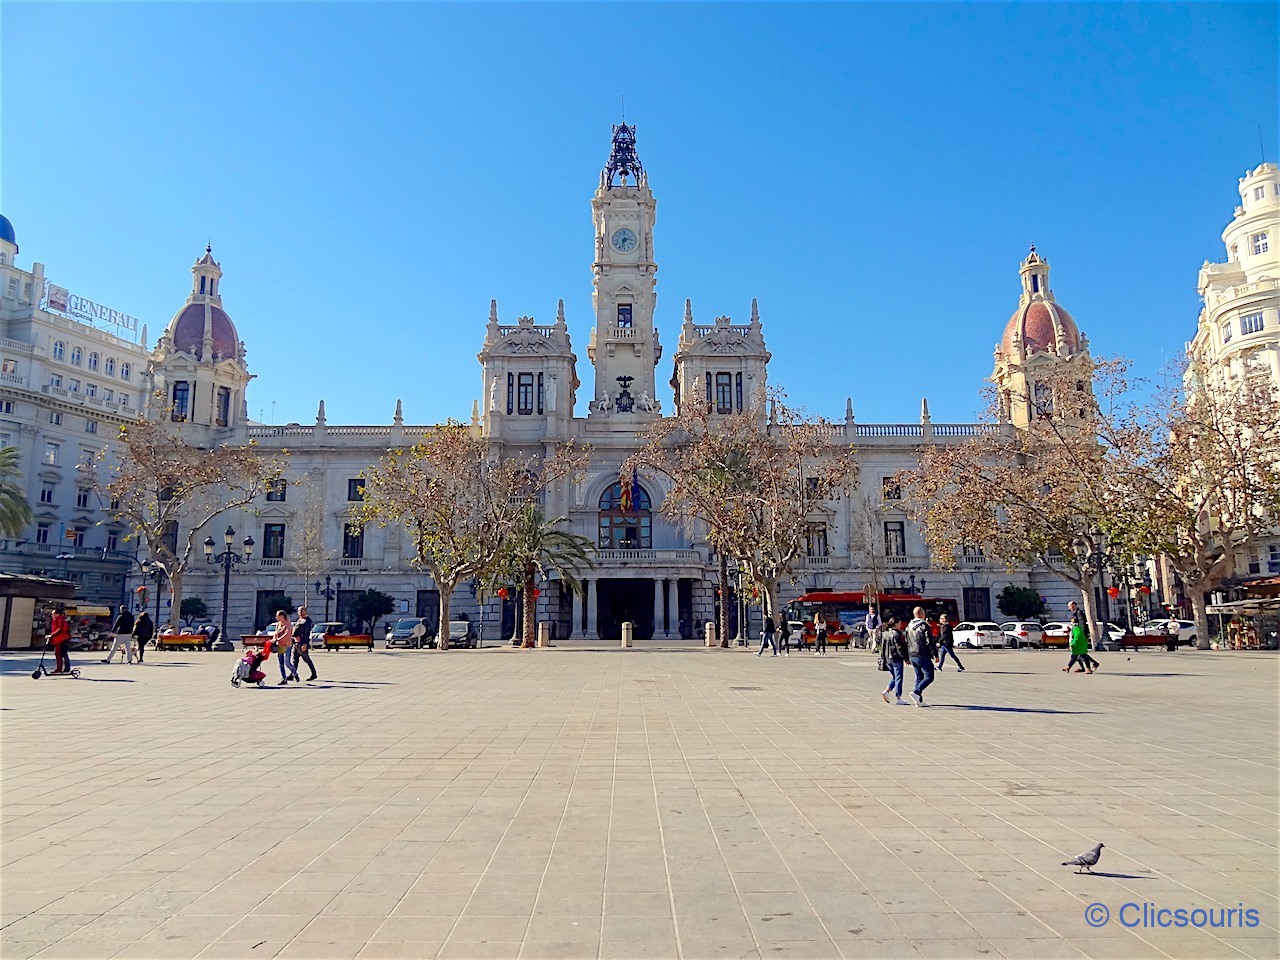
{"x":228,"y":558}
{"x":328,"y":593}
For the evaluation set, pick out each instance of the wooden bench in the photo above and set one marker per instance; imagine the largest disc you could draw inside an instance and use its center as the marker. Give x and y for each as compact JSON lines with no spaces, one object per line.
{"x":251,"y":640}
{"x":342,"y":641}
{"x":181,"y":641}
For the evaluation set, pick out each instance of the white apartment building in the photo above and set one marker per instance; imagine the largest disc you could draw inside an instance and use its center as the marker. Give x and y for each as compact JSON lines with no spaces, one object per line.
{"x":66,"y":386}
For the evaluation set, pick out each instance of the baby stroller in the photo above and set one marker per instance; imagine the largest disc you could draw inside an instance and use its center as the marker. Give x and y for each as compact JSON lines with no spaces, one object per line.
{"x":247,"y":668}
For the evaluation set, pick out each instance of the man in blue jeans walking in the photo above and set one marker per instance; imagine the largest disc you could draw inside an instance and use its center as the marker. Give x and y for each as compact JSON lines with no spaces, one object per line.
{"x":920,"y":650}
{"x":766,"y":637}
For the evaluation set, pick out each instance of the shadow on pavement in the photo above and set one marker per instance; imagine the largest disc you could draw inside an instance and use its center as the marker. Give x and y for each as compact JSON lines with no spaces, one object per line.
{"x":1116,"y":876}
{"x":974,"y":706}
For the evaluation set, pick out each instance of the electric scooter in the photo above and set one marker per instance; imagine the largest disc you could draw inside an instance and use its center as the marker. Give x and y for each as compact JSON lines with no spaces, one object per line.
{"x":42,"y":671}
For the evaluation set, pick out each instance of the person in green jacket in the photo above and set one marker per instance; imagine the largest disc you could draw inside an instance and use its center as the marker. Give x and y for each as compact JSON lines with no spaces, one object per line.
{"x":1079,"y":642}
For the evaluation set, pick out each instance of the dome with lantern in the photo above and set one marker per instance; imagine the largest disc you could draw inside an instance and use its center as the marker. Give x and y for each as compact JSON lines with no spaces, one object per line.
{"x":1040,"y":324}
{"x":202,"y":321}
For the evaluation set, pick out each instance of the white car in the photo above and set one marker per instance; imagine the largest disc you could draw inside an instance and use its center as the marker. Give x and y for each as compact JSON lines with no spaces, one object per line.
{"x":981,"y":633}
{"x":1023,"y":633}
{"x":1186,"y":630}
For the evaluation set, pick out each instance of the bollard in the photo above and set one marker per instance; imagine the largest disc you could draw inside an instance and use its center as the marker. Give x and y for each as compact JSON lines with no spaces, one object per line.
{"x":709,"y":635}
{"x":544,"y":634}
{"x":628,"y":633}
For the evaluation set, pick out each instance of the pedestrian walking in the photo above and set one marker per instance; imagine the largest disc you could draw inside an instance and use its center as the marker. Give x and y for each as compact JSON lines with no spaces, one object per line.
{"x":302,"y":644}
{"x":766,"y":637}
{"x":921,"y":653}
{"x":143,"y":631}
{"x":1079,"y":642}
{"x":283,"y":637}
{"x":946,"y":643}
{"x":784,"y":633}
{"x":60,"y":639}
{"x":123,"y":639}
{"x":893,"y":654}
{"x":872,"y":627}
{"x":819,"y":635}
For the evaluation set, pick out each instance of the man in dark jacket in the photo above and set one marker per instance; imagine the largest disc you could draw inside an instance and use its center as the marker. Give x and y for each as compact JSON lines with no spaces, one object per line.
{"x":920,"y":649}
{"x":123,"y":640}
{"x":302,"y":644}
{"x":893,"y":654}
{"x":946,"y":641}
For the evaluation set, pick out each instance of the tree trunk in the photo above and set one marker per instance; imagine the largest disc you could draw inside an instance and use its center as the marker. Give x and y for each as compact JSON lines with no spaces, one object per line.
{"x":530,"y":608}
{"x":442,"y":629}
{"x":724,"y":599}
{"x":1200,"y":614}
{"x":1096,"y":627}
{"x":175,"y":598}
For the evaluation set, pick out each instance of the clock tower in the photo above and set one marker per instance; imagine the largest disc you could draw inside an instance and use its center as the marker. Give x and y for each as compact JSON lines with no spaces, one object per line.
{"x":624,"y":345}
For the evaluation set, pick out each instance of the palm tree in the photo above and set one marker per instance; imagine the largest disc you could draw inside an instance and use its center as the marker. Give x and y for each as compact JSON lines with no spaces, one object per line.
{"x":15,"y":512}
{"x":538,"y":546}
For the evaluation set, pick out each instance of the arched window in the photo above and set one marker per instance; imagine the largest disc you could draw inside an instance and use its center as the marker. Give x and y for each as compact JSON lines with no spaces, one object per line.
{"x":124,"y":371}
{"x":110,"y":366}
{"x":93,"y":361}
{"x":76,"y":356}
{"x":59,"y":348}
{"x":626,"y":522}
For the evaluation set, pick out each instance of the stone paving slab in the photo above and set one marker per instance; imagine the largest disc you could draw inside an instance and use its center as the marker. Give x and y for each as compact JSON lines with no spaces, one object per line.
{"x":664,"y":801}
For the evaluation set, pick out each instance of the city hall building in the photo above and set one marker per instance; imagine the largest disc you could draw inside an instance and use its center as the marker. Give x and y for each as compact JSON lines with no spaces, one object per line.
{"x":533,"y":395}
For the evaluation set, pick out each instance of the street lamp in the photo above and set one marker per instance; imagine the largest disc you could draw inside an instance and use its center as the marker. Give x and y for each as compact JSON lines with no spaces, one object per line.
{"x":328,"y":593}
{"x":228,"y":558}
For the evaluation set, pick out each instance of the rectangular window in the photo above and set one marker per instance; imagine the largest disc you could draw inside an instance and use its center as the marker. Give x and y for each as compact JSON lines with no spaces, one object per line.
{"x":890,"y":489}
{"x":724,"y":393}
{"x":811,"y":488}
{"x":352,"y":541}
{"x":181,"y":401}
{"x":1259,"y":243}
{"x":75,"y":536}
{"x":895,"y":538}
{"x":272,"y":541}
{"x":55,"y":380}
{"x":91,"y":426}
{"x":13,"y":287}
{"x":816,"y":540}
{"x":108,"y":394}
{"x":1035,"y":283}
{"x":1259,"y":193}
{"x":6,"y":406}
{"x":90,"y":389}
{"x":170,"y":536}
{"x":542,"y":397}
{"x":276,"y":491}
{"x":624,"y":315}
{"x":1255,"y":562}
{"x":73,"y":385}
{"x":1273,"y":558}
{"x":737,"y":389}
{"x":42,"y":533}
{"x":1251,"y":323}
{"x":26,"y":291}
{"x":46,"y":492}
{"x":525,"y":395}
{"x":710,"y":395}
{"x":1226,"y":332}
{"x":82,"y":497}
{"x":124,"y":400}
{"x":223,"y":416}
{"x":355,"y":490}
{"x":55,"y":418}
{"x":52,"y":451}
{"x":113,"y":540}
{"x":511,"y":393}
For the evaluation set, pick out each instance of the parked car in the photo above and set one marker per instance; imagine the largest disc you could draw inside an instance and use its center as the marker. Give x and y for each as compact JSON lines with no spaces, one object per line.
{"x":968,"y":633}
{"x":410,"y":631}
{"x":1057,"y":632}
{"x":1023,"y":633}
{"x":328,"y":629}
{"x":1186,"y":630}
{"x":462,"y":633}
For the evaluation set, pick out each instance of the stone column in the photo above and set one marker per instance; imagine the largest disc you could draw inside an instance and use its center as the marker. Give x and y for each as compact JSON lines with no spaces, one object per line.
{"x":591,"y":604}
{"x":657,"y":606}
{"x":671,"y":591}
{"x":572,"y":625}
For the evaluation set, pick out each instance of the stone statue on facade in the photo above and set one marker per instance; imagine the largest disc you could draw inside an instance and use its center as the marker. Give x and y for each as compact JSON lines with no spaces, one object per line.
{"x":549,"y":394}
{"x":493,"y":395}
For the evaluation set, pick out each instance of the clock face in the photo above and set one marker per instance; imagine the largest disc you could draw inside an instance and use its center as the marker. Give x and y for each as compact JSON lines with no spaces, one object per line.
{"x":623,"y":240}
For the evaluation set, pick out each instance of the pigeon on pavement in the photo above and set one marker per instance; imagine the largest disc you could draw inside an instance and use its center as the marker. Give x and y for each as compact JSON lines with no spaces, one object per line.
{"x":1087,"y":859}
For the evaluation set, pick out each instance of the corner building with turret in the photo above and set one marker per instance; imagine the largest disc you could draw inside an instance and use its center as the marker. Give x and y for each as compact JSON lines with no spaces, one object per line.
{"x":659,"y":576}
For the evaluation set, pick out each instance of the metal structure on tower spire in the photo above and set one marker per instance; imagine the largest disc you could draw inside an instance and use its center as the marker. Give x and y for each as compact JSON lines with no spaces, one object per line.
{"x":623,"y":161}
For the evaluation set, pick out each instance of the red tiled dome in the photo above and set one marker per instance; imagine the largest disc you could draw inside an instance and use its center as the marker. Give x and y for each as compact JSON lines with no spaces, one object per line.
{"x":187,"y":331}
{"x":1036,"y":323}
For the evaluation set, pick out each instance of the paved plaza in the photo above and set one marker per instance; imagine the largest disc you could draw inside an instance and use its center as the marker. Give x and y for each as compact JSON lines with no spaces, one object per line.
{"x":662,"y":801}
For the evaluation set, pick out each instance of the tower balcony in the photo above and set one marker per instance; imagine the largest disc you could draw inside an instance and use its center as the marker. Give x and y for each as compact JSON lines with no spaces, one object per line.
{"x":614,"y":337}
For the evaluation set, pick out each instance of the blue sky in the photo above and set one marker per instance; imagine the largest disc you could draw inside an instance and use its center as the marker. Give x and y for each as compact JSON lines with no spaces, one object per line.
{"x":371,"y":175}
